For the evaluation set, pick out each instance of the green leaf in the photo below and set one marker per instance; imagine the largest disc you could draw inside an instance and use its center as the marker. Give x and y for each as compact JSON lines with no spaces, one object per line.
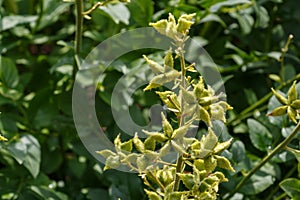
{"x":9,"y":22}
{"x":118,"y":12}
{"x":224,"y":163}
{"x":145,"y":8}
{"x":8,"y":72}
{"x":292,"y":187}
{"x":95,"y":193}
{"x":45,"y":192}
{"x":260,"y":136}
{"x":188,"y":180}
{"x":210,"y":140}
{"x":257,"y":184}
{"x":32,"y":159}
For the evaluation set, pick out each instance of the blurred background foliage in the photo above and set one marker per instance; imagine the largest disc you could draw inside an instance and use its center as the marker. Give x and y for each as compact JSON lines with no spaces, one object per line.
{"x":44,"y":158}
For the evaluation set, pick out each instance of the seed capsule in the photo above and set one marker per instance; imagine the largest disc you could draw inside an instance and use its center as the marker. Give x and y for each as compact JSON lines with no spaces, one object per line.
{"x":279,"y":111}
{"x":279,"y":97}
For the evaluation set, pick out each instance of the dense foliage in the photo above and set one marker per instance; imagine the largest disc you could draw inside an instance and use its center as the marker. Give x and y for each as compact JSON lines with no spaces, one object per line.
{"x":43,"y":156}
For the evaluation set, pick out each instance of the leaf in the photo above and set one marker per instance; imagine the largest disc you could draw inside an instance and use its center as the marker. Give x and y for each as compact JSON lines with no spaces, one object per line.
{"x":118,"y":12}
{"x":152,"y":195}
{"x":95,"y":193}
{"x":45,"y":192}
{"x":32,"y":159}
{"x":260,"y":136}
{"x":224,"y":163}
{"x":292,"y":187}
{"x":9,"y":22}
{"x":145,"y":8}
{"x":18,"y":151}
{"x":8,"y":72}
{"x":257,"y":184}
{"x":210,"y":140}
{"x":188,"y":180}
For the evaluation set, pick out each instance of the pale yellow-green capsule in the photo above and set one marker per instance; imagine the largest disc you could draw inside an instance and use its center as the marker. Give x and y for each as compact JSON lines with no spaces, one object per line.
{"x":292,"y":93}
{"x":292,"y":113}
{"x":280,"y":97}
{"x":296,"y":104}
{"x":281,"y":110}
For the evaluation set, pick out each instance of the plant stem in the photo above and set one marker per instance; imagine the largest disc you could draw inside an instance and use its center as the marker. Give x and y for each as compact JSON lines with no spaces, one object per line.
{"x":78,"y":33}
{"x":179,"y":162}
{"x":282,"y":145}
{"x":283,"y":52}
{"x":274,"y":190}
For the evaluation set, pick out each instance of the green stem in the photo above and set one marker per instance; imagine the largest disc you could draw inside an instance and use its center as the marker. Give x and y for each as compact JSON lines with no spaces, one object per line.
{"x":180,"y":162}
{"x":282,"y":145}
{"x":274,"y":190}
{"x":283,"y":52}
{"x":78,"y":33}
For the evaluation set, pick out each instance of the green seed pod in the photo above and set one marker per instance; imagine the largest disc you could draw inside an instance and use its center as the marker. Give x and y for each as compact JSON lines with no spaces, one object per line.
{"x":280,"y":97}
{"x":281,"y":110}
{"x":155,"y":67}
{"x":224,"y":163}
{"x":292,"y":93}
{"x":139,"y":145}
{"x":292,"y":113}
{"x":167,"y":127}
{"x":296,"y":104}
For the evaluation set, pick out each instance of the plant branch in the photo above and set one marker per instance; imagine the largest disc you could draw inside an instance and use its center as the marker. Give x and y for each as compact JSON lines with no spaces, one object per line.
{"x":283,"y":52}
{"x":180,"y":162}
{"x":282,"y":145}
{"x":78,"y":33}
